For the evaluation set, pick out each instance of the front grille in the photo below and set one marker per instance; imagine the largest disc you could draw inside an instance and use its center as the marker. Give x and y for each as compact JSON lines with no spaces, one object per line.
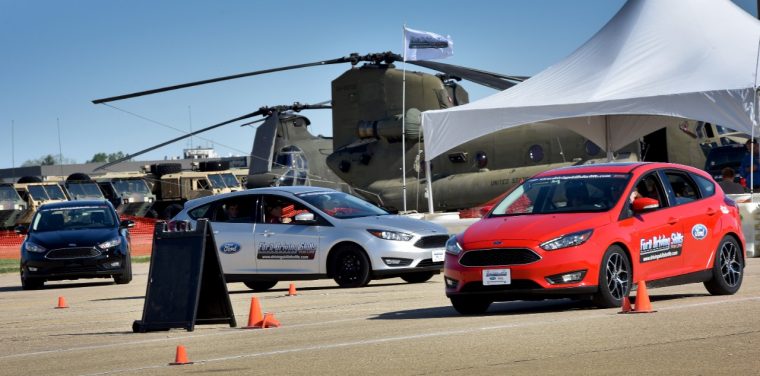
{"x":72,"y":253}
{"x":499,"y":257}
{"x":428,"y":262}
{"x":433,"y":241}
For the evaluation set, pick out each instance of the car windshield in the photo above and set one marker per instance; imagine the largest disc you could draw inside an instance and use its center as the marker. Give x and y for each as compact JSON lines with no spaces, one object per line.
{"x":230,"y":180}
{"x":130,"y":186}
{"x":341,"y":205}
{"x":216,"y":181}
{"x":54,"y":191}
{"x":564,"y":194}
{"x":84,"y":190}
{"x":73,"y":218}
{"x":38,"y":192}
{"x":7,"y":193}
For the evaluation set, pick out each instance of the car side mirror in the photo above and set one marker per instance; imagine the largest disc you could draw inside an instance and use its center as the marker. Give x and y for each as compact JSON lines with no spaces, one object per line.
{"x":127,"y":223}
{"x":305,"y":218}
{"x":644,"y":204}
{"x":21,"y":230}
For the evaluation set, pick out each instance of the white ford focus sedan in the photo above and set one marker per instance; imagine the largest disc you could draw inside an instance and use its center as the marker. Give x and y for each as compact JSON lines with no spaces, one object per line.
{"x":266,"y":235}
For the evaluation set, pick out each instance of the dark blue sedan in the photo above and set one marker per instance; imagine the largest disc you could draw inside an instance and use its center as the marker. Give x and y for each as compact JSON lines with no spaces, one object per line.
{"x":75,"y":239}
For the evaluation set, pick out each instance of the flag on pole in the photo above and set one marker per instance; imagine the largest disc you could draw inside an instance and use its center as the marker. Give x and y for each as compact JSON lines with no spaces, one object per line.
{"x":424,"y":45}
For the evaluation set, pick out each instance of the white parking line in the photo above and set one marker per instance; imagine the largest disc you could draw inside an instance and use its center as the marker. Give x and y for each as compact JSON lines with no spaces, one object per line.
{"x":415,"y":336}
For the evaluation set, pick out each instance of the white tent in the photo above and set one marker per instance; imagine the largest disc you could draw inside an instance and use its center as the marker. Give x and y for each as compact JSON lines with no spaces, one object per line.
{"x":693,"y":59}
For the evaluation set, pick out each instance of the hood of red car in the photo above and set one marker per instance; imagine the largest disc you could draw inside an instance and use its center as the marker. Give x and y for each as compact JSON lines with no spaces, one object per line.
{"x":538,"y":227}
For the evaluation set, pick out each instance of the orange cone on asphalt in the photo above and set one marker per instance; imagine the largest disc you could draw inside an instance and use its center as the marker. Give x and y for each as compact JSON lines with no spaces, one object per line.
{"x":642,"y":305}
{"x":62,"y":303}
{"x":269,"y":321}
{"x":181,"y":357}
{"x":254,"y":317}
{"x":626,"y":305}
{"x":292,"y":290}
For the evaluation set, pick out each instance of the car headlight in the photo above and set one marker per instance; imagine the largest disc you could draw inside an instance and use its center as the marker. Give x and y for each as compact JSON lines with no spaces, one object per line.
{"x":567,"y":240}
{"x":452,"y":246}
{"x":31,"y":247}
{"x":110,"y":244}
{"x":391,"y":235}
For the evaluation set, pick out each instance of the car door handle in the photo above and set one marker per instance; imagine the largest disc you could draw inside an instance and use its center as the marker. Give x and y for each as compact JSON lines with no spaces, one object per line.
{"x":672,"y":220}
{"x":267,"y":233}
{"x":711,"y":211}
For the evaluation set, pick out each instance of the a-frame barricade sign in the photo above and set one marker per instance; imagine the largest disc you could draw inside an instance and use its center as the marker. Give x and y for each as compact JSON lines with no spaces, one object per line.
{"x":186,"y":285}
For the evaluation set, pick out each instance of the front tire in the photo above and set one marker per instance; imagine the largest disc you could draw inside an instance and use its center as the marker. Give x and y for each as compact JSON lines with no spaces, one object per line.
{"x":417,"y":277}
{"x":351,"y":267}
{"x":126,"y":276}
{"x":30,"y":283}
{"x":615,"y":276}
{"x":728,"y":269}
{"x":260,"y":286}
{"x":468,"y":305}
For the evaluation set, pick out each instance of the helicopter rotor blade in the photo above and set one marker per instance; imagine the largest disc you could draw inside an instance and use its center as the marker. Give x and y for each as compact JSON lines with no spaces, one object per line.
{"x":485,"y":78}
{"x":130,"y":156}
{"x":225,"y":78}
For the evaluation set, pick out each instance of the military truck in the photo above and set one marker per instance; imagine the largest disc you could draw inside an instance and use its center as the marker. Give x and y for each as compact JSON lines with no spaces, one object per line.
{"x":11,"y":206}
{"x":173,"y":187}
{"x":80,"y":186}
{"x":129,"y":192}
{"x":35,"y":192}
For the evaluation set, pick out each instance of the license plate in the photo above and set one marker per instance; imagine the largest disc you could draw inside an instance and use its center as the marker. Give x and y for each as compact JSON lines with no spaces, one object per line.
{"x":439,"y":255}
{"x":496,"y":277}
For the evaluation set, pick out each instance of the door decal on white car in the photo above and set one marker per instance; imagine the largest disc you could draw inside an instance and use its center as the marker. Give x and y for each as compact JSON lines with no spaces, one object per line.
{"x":287,"y":251}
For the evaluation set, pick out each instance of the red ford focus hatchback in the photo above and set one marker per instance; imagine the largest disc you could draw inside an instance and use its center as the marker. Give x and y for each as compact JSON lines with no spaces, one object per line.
{"x":591,"y":231}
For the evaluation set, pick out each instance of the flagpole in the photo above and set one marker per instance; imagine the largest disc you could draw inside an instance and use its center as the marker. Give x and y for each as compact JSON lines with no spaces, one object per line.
{"x":403,"y":119}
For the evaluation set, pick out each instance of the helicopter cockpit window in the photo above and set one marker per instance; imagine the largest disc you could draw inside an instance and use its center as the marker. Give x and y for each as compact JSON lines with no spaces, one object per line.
{"x":291,"y":156}
{"x":592,"y":149}
{"x":536,"y":153}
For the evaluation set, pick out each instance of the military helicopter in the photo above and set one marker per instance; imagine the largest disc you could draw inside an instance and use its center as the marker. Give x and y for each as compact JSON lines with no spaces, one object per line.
{"x":368,"y":131}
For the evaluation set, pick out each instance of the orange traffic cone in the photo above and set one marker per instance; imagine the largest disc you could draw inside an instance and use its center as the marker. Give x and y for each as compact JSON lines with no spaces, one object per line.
{"x":181,"y":357}
{"x":642,"y":299}
{"x":292,"y":290}
{"x":268,"y":322}
{"x":254,"y":317}
{"x":62,"y":303}
{"x":626,"y":305}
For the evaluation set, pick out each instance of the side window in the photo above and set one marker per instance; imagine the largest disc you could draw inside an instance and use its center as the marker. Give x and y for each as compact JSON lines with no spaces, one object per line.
{"x":199,"y":212}
{"x":706,"y":185}
{"x":239,"y":209}
{"x":684,"y":188}
{"x":649,"y":186}
{"x":282,"y":210}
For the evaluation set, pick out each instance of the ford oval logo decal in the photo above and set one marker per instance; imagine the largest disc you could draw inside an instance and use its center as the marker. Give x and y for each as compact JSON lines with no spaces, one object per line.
{"x":699,"y":231}
{"x":230,"y":248}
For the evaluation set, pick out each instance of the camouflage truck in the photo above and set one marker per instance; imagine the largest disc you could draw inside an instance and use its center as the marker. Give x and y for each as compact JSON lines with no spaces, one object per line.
{"x":34,"y":192}
{"x":11,"y":206}
{"x":173,"y":187}
{"x":80,"y":186}
{"x":129,"y":192}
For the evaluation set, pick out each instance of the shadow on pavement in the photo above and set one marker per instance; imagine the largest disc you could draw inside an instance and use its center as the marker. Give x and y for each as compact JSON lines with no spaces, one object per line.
{"x":500,"y":309}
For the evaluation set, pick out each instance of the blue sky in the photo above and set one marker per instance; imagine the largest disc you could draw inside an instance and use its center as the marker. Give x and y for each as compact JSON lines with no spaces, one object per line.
{"x":57,"y":56}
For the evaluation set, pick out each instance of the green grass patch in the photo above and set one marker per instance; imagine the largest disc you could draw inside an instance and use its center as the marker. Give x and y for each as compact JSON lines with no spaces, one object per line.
{"x":9,"y":266}
{"x":140,"y":259}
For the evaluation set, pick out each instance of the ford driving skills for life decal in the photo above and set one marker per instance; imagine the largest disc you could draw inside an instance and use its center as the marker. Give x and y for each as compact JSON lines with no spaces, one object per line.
{"x":660,"y":246}
{"x":699,"y":231}
{"x":229,"y":248}
{"x":287,"y":251}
